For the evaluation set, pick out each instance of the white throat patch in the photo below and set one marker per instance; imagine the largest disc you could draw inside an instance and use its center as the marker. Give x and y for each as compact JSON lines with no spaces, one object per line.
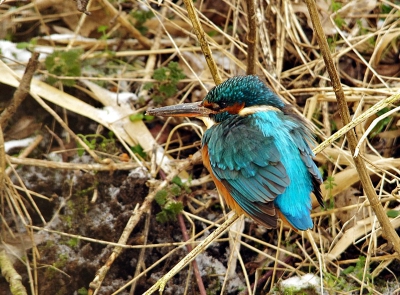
{"x":207,"y":121}
{"x":255,"y":109}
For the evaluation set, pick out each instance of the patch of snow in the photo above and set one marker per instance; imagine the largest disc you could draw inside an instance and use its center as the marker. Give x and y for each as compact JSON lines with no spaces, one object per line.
{"x":302,"y":282}
{"x":162,"y":160}
{"x":20,"y":143}
{"x":10,"y":52}
{"x":110,"y":114}
{"x":55,"y":157}
{"x":60,"y":37}
{"x":139,"y":172}
{"x":124,"y":97}
{"x":380,"y":24}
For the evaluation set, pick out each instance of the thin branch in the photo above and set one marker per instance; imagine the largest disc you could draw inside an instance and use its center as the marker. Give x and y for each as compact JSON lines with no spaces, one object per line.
{"x":390,"y":233}
{"x":107,"y":166}
{"x":251,"y":38}
{"x":22,"y":91}
{"x":201,"y":36}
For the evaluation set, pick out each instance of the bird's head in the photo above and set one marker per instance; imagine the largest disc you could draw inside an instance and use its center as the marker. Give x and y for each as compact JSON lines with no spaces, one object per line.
{"x":236,"y":96}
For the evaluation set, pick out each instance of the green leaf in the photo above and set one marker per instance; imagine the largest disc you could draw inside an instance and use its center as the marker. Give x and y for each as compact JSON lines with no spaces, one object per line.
{"x":348,"y":270}
{"x":382,"y":124}
{"x":160,"y":74}
{"x":177,"y":180}
{"x":176,"y":73}
{"x":141,"y":15}
{"x":162,"y":217}
{"x":339,"y":21}
{"x":148,"y":117}
{"x":148,"y":86}
{"x":137,"y":149}
{"x":168,"y":89}
{"x":102,"y":29}
{"x":175,"y":190}
{"x":175,"y":208}
{"x":23,"y":45}
{"x":335,"y":6}
{"x":64,"y":63}
{"x":393,"y":213}
{"x":161,"y":197}
{"x":330,"y":183}
{"x":136,"y":117}
{"x":158,"y":99}
{"x":73,"y":242}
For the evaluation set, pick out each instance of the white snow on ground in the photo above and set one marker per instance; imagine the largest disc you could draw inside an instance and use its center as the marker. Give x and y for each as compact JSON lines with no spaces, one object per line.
{"x":20,"y":143}
{"x":10,"y":52}
{"x":124,"y":97}
{"x":302,"y":282}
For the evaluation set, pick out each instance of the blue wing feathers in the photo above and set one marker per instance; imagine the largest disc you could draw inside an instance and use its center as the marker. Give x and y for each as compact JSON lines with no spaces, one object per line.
{"x":265,"y":160}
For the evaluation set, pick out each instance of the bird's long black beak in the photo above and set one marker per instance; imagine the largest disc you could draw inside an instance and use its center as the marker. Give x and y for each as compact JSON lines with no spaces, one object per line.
{"x":195,"y":109}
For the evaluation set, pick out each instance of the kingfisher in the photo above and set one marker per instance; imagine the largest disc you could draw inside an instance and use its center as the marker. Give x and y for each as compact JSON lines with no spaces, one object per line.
{"x":257,"y":150}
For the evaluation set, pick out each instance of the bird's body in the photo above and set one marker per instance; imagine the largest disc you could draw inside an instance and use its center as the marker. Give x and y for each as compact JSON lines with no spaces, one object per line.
{"x":258,"y":154}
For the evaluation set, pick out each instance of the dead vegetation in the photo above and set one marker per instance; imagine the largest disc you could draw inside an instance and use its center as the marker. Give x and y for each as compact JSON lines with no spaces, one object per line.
{"x":94,"y":203}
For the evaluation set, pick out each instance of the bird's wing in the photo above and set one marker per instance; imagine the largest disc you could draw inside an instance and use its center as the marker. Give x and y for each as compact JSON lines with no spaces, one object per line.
{"x":248,"y":164}
{"x":302,"y":137}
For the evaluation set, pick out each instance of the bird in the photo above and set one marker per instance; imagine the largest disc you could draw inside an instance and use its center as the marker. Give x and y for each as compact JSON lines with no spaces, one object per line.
{"x":258,"y":151}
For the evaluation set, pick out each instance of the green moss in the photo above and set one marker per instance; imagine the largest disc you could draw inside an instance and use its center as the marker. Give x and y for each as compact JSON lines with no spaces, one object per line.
{"x":167,"y":200}
{"x":98,"y":142}
{"x":65,"y":64}
{"x":167,"y":79}
{"x":54,"y":268}
{"x":73,"y":242}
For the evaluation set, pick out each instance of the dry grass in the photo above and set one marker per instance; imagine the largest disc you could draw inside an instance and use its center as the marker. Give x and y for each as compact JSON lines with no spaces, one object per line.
{"x":363,"y":36}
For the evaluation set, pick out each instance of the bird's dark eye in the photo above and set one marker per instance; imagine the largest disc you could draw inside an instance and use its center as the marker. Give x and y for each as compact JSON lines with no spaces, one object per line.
{"x":223,"y":105}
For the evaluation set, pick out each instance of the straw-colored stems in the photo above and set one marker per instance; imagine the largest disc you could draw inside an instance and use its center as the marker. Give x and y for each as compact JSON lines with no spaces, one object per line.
{"x":366,"y":182}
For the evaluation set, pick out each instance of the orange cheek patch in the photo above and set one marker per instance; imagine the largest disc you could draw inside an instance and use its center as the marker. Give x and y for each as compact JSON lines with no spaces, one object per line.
{"x":234,"y":109}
